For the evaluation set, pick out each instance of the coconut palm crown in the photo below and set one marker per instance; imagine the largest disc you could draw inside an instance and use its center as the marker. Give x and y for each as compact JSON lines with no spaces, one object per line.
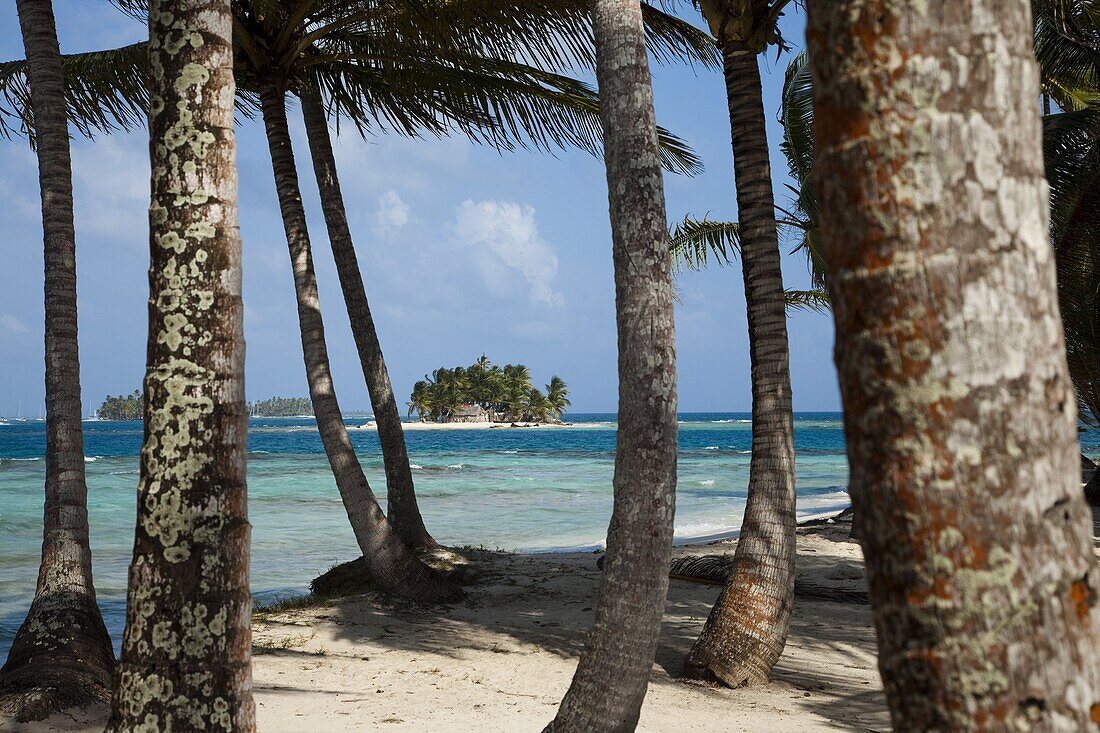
{"x":494,"y":71}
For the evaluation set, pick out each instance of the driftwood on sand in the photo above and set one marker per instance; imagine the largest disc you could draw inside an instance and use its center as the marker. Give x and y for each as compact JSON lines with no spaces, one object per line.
{"x":715,"y":569}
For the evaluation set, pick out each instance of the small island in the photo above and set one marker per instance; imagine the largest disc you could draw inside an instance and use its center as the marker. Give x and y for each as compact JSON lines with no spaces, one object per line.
{"x":123,"y":407}
{"x":129,"y":407}
{"x":486,"y":393}
{"x":281,"y":407}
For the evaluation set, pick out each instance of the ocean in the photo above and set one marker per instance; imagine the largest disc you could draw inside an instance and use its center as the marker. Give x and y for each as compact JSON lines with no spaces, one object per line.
{"x":513,"y":489}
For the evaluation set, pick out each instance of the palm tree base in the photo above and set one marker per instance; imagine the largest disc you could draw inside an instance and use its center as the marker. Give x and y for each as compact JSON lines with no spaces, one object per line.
{"x":410,"y":528}
{"x":61,"y":658}
{"x":731,"y":662}
{"x":438,"y":583}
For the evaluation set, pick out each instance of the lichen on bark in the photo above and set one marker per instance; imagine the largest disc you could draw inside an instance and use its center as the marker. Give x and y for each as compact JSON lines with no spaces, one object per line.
{"x":959,"y":414}
{"x":185,"y":661}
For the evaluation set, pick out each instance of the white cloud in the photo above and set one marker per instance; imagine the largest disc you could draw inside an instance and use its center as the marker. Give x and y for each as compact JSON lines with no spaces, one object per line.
{"x":505,"y":243}
{"x":111,"y":190}
{"x":11,"y":324}
{"x":392,"y":212}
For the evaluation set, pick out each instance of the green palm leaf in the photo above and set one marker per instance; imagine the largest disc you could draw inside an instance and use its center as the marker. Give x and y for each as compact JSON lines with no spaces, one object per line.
{"x":485,"y":68}
{"x":693,"y":243}
{"x":1071,"y":142}
{"x":104,"y":91}
{"x":815,"y":300}
{"x":493,"y":101}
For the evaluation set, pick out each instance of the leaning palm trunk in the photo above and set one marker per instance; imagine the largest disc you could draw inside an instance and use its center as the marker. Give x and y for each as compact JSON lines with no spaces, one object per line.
{"x":959,"y":413}
{"x":186,"y":652}
{"x":611,"y":679}
{"x":62,"y":654}
{"x":392,"y":564}
{"x":748,"y":626}
{"x":401,"y":508}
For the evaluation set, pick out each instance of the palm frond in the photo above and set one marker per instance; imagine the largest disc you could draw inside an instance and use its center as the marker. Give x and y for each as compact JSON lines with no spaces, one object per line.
{"x":1071,"y":142}
{"x":104,"y":91}
{"x":672,"y":40}
{"x":1069,"y":61}
{"x":553,"y":34}
{"x":797,"y":117}
{"x":498,"y":102}
{"x":815,"y":300}
{"x":693,"y":243}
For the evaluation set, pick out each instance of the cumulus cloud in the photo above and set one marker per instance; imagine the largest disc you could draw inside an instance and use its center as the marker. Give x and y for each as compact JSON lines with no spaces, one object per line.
{"x":11,"y":324}
{"x":392,"y":212}
{"x":506,"y":248}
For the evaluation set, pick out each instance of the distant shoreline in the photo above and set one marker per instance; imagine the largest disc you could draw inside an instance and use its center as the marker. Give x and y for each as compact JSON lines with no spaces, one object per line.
{"x":372,"y":425}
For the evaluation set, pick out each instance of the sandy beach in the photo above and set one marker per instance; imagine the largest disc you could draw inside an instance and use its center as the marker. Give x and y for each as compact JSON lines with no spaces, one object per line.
{"x":501,"y":660}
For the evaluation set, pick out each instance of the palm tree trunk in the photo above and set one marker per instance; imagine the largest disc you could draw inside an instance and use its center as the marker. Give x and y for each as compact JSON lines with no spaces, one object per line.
{"x":748,"y":626}
{"x":401,"y":508}
{"x":62,"y":654}
{"x":959,"y":412}
{"x":611,"y":679}
{"x":186,"y":652}
{"x":393,"y":566}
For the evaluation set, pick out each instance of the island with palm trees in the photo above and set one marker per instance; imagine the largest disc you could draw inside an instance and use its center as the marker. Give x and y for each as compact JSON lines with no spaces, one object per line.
{"x":486,"y":393}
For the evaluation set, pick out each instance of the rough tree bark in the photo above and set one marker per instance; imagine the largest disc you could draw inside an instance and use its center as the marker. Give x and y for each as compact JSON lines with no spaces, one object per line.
{"x":611,"y":679}
{"x":748,"y":625}
{"x":186,"y":652}
{"x":402,"y":510}
{"x":393,"y":566}
{"x":61,"y":655}
{"x":958,"y":408}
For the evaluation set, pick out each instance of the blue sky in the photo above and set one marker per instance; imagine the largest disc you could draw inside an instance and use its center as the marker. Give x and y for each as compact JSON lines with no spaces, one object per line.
{"x":464,"y":250}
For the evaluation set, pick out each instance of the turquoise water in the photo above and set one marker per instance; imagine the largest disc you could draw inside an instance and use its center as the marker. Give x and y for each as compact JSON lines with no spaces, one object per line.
{"x":512,"y":489}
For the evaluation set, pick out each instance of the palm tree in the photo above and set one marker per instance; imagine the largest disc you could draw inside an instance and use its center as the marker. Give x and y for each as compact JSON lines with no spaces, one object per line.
{"x":484,"y":379}
{"x":748,"y":625}
{"x":1071,"y":143}
{"x":390,"y":562}
{"x":420,"y":400}
{"x":517,"y":388}
{"x":538,"y":407}
{"x":452,"y":79}
{"x":1067,"y":42}
{"x":402,"y":510}
{"x":613,"y":673}
{"x":1067,"y":46}
{"x":332,"y":48}
{"x":103,"y":91}
{"x":62,"y":654}
{"x":958,"y":406}
{"x":557,"y":396}
{"x":185,"y":660}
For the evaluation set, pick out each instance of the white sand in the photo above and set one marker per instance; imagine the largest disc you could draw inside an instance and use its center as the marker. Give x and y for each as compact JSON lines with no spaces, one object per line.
{"x":502,"y":660}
